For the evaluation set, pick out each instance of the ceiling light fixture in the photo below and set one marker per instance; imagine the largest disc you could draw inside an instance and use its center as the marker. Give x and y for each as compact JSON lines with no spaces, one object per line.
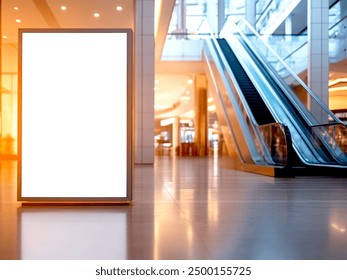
{"x":184,"y":98}
{"x":336,"y":81}
{"x":119,"y":8}
{"x":18,"y":20}
{"x":334,"y":89}
{"x":96,"y":15}
{"x":4,"y":37}
{"x":16,"y":8}
{"x":63,"y":8}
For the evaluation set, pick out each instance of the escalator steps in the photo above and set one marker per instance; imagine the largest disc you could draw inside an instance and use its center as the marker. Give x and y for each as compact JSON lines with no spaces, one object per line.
{"x":260,"y":111}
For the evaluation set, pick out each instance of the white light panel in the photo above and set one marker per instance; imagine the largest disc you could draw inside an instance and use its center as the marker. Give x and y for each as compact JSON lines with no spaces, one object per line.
{"x":74,"y":115}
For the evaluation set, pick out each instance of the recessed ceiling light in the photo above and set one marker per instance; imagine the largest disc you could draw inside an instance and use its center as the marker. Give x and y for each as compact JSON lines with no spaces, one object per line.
{"x":63,"y":8}
{"x":16,"y":8}
{"x":4,"y":37}
{"x":18,"y":20}
{"x":96,"y":15}
{"x":184,"y":98}
{"x":119,"y":8}
{"x":190,"y":81}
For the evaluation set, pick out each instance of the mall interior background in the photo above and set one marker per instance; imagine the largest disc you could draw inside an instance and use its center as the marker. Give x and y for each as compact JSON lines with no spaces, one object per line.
{"x":185,"y":207}
{"x":174,"y":110}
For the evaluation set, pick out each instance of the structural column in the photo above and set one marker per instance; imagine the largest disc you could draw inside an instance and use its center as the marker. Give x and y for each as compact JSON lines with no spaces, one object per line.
{"x":288,"y":28}
{"x":144,"y":82}
{"x":212,"y":14}
{"x":221,"y":14}
{"x":318,"y":54}
{"x":251,"y":12}
{"x":201,"y":115}
{"x":175,"y":134}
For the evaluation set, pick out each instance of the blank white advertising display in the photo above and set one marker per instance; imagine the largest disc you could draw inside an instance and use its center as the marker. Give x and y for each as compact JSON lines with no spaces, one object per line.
{"x":74,"y":115}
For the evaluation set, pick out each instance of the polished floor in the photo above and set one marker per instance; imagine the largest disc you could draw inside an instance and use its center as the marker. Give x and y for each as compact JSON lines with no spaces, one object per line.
{"x":185,"y":208}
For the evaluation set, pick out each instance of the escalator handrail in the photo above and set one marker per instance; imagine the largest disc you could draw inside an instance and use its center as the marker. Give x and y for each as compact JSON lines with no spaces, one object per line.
{"x":294,"y":75}
{"x":229,"y":71}
{"x":255,"y":135}
{"x":242,"y":98}
{"x":310,"y":150}
{"x":224,"y":109}
{"x":310,"y":125}
{"x":299,"y":106}
{"x":244,"y":104}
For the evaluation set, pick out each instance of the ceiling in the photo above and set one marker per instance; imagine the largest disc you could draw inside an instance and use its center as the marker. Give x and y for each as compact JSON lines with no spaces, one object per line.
{"x":82,"y":14}
{"x":78,"y":14}
{"x":171,"y":77}
{"x":75,"y":14}
{"x":58,"y":14}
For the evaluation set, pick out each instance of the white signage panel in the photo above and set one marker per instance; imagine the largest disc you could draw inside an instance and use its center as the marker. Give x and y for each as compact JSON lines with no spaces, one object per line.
{"x":75,"y":115}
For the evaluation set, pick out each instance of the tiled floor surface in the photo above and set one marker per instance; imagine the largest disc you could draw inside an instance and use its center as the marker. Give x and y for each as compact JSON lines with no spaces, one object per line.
{"x":185,"y":208}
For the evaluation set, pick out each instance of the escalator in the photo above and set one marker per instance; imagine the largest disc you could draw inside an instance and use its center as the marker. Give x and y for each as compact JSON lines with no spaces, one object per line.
{"x":266,"y":108}
{"x":255,"y":102}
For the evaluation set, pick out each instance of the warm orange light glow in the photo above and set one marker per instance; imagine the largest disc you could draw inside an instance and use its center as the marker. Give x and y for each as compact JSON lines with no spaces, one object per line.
{"x":18,"y":20}
{"x":4,"y":37}
{"x":212,"y":108}
{"x":119,"y":8}
{"x":338,"y":228}
{"x":16,"y":8}
{"x":96,"y":15}
{"x":63,"y":8}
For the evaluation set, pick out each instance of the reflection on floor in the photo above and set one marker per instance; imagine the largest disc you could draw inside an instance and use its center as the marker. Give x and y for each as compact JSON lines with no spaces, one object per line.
{"x":185,"y":208}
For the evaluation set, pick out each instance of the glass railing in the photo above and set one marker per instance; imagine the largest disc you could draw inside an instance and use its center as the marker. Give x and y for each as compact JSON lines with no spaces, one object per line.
{"x":177,"y":49}
{"x":293,"y":48}
{"x":315,"y":113}
{"x":338,"y":41}
{"x":261,"y":8}
{"x":277,"y":11}
{"x":186,"y":45}
{"x":295,"y":55}
{"x":334,"y":14}
{"x":276,"y":137}
{"x":270,"y":10}
{"x":335,"y":135}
